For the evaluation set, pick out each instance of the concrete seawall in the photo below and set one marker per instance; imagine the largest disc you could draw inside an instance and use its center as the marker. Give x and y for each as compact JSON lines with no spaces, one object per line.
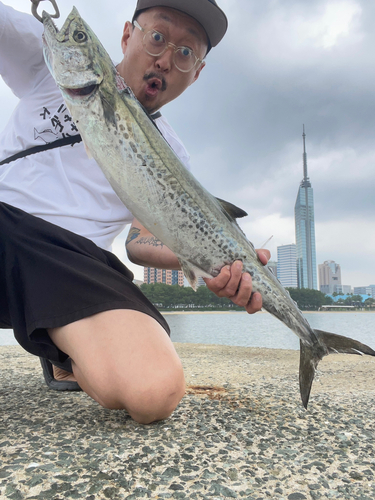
{"x":240,"y":432}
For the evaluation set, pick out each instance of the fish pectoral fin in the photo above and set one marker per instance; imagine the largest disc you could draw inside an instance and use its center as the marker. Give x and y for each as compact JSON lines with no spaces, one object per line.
{"x":232,"y":210}
{"x":109,"y":112}
{"x":192,"y":273}
{"x":189,"y":274}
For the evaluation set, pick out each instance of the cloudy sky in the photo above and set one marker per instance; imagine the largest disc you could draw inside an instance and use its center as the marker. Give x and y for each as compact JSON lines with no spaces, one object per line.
{"x":282,"y":64}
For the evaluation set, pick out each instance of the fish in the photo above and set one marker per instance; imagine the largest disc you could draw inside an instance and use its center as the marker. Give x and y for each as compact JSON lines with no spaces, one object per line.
{"x":161,"y":193}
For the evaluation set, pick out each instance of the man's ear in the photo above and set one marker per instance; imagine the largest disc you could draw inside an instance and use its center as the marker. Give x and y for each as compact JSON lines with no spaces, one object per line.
{"x":128,"y":29}
{"x":198,"y":72}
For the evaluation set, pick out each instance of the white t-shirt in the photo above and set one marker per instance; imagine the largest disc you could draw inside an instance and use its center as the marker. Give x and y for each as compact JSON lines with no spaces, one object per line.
{"x":61,"y":185}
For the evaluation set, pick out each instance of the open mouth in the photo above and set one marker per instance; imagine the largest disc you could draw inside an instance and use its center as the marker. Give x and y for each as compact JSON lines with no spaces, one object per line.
{"x":82,"y":91}
{"x":155,"y":84}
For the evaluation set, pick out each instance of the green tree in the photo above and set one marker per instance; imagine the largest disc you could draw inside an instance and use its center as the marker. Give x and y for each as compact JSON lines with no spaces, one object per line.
{"x":357,"y":298}
{"x":328,"y":301}
{"x":353,"y":300}
{"x":167,"y":296}
{"x":307,"y":299}
{"x":369,"y":302}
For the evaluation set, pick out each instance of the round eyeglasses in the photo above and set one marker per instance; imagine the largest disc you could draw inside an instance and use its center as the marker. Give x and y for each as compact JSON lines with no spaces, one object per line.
{"x":155,"y":44}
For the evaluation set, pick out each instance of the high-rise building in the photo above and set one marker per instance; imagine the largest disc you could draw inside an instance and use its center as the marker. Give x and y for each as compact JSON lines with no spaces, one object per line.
{"x":345,"y":289}
{"x":365,"y":290}
{"x":329,"y":276}
{"x":305,"y":229}
{"x":287,"y":265}
{"x":167,"y":276}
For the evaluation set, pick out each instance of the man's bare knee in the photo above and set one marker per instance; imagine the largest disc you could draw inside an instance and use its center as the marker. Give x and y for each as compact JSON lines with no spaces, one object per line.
{"x":148,"y":401}
{"x":156,"y":405}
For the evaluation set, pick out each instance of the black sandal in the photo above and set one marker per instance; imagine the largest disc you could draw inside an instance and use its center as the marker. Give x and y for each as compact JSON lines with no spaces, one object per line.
{"x":57,"y":385}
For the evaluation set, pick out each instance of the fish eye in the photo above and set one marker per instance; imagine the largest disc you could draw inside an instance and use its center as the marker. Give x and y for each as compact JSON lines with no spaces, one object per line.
{"x":80,"y":36}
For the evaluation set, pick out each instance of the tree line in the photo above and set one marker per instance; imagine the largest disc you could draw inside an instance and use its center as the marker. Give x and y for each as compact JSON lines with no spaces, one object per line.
{"x":179,"y":297}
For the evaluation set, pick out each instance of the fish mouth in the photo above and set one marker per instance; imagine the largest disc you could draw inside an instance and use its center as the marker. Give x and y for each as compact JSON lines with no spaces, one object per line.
{"x":48,"y":37}
{"x":86,"y":91}
{"x":48,"y":23}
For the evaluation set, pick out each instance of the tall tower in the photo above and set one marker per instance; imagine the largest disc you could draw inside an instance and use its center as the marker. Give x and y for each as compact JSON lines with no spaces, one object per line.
{"x":305,"y":229}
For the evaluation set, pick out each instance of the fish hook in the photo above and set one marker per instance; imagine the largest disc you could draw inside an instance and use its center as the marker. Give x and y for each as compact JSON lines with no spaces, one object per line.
{"x":35,"y":5}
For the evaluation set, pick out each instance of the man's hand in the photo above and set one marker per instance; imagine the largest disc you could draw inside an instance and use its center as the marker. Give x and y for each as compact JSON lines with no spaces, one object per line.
{"x":237,"y":286}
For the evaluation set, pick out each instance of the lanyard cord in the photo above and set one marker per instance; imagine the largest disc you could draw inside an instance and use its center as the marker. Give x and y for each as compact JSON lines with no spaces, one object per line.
{"x":70,"y":139}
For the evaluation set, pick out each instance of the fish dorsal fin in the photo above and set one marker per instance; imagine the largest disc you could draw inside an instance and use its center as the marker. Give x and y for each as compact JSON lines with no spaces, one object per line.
{"x":232,"y":210}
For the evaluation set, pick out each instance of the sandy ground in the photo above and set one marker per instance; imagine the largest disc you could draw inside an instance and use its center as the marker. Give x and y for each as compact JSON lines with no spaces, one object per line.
{"x":240,"y":432}
{"x":211,"y":364}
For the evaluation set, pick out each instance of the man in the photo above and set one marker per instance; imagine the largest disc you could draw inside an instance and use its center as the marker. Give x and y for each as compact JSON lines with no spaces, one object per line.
{"x":68,"y":299}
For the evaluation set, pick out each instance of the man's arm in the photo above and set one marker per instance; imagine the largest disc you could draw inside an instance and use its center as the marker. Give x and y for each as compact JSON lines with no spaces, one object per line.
{"x":21,"y":50}
{"x":145,"y":249}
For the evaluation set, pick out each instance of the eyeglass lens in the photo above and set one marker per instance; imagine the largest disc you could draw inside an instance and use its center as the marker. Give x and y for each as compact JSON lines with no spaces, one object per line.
{"x":155,"y":44}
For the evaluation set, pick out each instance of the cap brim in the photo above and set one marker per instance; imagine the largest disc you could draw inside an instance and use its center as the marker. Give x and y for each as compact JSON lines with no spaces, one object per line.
{"x":210,"y":16}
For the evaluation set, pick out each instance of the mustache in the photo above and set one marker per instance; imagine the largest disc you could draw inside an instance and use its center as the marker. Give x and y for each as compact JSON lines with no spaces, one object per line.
{"x":149,"y":76}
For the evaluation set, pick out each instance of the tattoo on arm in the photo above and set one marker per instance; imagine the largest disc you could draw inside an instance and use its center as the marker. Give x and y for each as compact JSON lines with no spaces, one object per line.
{"x":150,"y":240}
{"x":133,"y":234}
{"x":145,"y":240}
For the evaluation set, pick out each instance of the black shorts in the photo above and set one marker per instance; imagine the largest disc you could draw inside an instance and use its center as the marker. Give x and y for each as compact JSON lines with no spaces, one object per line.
{"x":50,"y":277}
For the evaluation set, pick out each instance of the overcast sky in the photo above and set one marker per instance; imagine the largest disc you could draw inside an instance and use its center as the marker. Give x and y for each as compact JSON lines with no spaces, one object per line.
{"x":282,"y":64}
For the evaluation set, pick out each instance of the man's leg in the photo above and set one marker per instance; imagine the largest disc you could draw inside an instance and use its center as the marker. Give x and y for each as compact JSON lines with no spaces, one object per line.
{"x":124,"y":359}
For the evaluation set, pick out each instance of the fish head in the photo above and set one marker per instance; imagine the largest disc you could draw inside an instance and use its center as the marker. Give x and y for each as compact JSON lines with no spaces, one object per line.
{"x":71,"y":55}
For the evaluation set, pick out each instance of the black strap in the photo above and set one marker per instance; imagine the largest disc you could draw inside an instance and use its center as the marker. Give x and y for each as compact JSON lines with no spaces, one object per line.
{"x":65,"y":141}
{"x":70,"y":139}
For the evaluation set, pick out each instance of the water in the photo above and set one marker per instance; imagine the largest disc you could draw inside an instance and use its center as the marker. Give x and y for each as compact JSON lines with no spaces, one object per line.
{"x":258,"y":330}
{"x":263,"y":330}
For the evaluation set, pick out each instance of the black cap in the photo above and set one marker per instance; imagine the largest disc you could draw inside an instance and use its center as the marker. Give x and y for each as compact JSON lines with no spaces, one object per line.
{"x":206,"y":12}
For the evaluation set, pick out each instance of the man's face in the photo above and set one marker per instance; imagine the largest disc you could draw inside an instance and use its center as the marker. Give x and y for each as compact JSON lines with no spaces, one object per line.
{"x":155,"y":80}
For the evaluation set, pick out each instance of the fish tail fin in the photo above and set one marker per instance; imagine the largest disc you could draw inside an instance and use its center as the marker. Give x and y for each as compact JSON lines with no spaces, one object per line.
{"x":328,"y":343}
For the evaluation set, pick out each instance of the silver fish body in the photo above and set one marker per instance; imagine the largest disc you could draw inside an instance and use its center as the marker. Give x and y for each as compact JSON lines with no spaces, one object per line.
{"x":154,"y":185}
